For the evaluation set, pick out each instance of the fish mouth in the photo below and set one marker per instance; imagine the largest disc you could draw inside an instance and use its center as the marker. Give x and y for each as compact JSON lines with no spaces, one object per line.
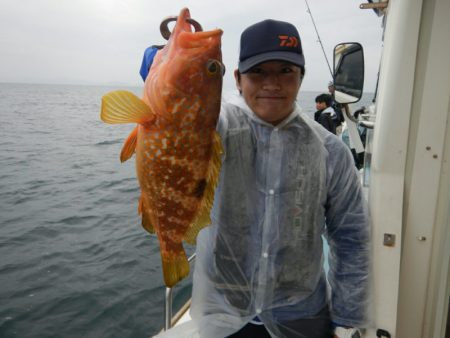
{"x":193,"y":38}
{"x":184,"y":22}
{"x":206,"y":40}
{"x":208,"y":34}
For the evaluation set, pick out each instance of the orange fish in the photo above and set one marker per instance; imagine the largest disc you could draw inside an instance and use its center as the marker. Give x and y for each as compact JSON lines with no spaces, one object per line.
{"x":175,"y":140}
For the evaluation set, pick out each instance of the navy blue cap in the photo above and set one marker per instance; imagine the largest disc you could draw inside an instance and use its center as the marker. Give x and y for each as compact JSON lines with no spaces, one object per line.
{"x":270,"y":40}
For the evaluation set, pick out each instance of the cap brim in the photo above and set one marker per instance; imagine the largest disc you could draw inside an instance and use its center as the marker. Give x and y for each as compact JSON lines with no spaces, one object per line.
{"x":296,"y":59}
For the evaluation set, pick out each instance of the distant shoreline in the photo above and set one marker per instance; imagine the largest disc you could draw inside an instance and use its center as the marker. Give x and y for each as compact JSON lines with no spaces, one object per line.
{"x":227,"y":91}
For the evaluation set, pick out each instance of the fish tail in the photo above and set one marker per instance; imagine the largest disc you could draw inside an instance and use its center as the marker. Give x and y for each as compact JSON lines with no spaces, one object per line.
{"x":175,"y":268}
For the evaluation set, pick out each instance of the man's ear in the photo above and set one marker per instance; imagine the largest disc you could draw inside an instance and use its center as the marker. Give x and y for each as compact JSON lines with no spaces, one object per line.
{"x":237,"y":77}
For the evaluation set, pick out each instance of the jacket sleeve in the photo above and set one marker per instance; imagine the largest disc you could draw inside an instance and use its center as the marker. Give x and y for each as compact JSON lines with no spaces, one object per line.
{"x":348,"y":236}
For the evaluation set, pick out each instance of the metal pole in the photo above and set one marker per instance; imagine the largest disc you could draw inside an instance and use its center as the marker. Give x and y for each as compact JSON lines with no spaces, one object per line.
{"x":168,"y":302}
{"x":168,"y":309}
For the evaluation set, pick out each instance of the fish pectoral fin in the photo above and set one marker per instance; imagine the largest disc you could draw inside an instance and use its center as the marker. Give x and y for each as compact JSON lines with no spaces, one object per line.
{"x":129,"y":146}
{"x":175,"y":268}
{"x":146,"y":223}
{"x":122,"y":106}
{"x":202,"y":218}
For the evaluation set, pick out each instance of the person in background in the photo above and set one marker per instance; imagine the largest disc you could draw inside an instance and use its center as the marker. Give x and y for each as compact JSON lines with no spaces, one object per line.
{"x":147,"y":60}
{"x":362,"y":132}
{"x":285,"y":184}
{"x":337,"y":107}
{"x":325,"y":115}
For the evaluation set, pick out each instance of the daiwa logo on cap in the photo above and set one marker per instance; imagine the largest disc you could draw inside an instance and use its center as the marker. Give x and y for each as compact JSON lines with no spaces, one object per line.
{"x":288,"y":41}
{"x":270,"y":40}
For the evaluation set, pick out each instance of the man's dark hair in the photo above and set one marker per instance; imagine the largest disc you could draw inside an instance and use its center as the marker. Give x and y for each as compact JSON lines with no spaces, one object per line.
{"x":325,"y":98}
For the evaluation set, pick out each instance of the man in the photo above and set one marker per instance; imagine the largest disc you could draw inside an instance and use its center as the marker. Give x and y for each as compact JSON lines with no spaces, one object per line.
{"x":285,"y":181}
{"x":324,"y":114}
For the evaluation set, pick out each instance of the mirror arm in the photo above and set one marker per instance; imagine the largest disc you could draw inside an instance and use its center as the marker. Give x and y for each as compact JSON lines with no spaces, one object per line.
{"x":349,"y":114}
{"x":378,"y":5}
{"x":367,"y":124}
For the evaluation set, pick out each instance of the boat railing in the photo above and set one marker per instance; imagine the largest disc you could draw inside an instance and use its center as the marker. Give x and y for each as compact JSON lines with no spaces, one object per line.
{"x":169,"y":319}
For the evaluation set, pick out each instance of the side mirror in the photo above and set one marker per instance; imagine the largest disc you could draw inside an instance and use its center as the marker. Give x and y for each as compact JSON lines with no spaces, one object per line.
{"x":348,"y":76}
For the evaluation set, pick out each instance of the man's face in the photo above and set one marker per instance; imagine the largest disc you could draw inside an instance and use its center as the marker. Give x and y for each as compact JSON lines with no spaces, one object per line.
{"x":270,"y":89}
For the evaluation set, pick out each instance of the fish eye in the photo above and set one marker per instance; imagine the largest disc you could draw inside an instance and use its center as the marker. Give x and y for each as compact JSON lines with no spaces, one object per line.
{"x":214,"y":67}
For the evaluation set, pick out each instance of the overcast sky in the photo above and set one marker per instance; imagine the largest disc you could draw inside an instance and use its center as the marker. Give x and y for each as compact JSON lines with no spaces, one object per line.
{"x":103,"y":41}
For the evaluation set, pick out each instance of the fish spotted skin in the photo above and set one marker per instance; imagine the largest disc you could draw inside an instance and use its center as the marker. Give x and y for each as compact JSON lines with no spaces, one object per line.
{"x":177,"y":148}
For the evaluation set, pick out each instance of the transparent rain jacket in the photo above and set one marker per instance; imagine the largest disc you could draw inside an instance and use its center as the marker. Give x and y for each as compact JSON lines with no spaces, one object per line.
{"x":281,"y":188}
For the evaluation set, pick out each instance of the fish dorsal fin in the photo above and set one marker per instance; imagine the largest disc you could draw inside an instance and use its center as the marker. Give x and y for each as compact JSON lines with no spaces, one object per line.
{"x":203,"y":216}
{"x":122,"y":106}
{"x":129,"y":146}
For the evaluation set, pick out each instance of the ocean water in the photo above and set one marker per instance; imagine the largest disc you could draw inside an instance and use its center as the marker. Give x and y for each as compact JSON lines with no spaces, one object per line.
{"x":74,"y":260}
